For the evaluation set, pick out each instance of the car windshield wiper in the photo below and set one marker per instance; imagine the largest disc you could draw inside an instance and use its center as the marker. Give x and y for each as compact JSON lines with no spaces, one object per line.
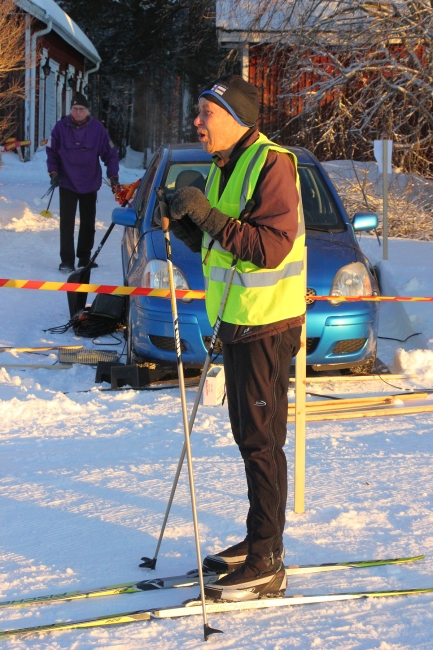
{"x":318,"y":228}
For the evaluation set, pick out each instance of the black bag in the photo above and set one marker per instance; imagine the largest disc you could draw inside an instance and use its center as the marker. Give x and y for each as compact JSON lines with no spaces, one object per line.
{"x":104,"y":316}
{"x":108,"y":306}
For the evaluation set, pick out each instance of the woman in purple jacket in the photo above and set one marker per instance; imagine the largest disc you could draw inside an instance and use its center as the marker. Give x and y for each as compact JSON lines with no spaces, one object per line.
{"x":76,"y":144}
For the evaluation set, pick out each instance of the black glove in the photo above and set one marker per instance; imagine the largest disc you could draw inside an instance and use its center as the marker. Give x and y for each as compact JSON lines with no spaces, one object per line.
{"x":188,"y":232}
{"x":54,"y":179}
{"x":184,"y":229}
{"x":191,"y":202}
{"x":115,"y":185}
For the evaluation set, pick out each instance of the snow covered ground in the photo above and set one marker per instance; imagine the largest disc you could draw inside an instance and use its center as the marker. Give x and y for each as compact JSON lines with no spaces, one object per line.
{"x":85,"y":474}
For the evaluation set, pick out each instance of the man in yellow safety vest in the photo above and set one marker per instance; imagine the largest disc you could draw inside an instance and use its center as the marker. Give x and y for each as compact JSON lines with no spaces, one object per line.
{"x":262,"y":320}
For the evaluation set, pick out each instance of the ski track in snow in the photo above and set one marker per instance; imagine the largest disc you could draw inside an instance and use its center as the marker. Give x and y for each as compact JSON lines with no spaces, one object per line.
{"x":85,"y":476}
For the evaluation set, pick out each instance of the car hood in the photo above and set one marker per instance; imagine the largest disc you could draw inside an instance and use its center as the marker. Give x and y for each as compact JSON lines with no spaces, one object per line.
{"x":326,"y":254}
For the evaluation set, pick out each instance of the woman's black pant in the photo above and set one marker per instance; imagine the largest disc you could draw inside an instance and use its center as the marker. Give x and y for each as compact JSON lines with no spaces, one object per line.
{"x":257,"y":379}
{"x":86,"y":234}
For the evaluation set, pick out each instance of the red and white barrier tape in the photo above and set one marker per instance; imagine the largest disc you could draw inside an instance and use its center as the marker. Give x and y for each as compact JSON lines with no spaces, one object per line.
{"x":165,"y":293}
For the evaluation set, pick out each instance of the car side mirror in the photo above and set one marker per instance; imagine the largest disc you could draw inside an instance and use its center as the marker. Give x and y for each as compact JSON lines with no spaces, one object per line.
{"x":124,"y":217}
{"x":365,"y":221}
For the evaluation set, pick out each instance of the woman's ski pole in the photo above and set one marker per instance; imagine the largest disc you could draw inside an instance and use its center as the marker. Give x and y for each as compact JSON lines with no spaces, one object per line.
{"x":49,"y":190}
{"x":150,"y":563}
{"x":46,"y":213}
{"x":165,"y":223}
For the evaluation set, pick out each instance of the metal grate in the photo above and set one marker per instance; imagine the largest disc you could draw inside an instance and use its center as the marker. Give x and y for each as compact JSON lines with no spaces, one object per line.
{"x":312,"y":344}
{"x":165,"y":343}
{"x":348,"y":347}
{"x":218,"y":348}
{"x":310,"y":292}
{"x":88,"y":357}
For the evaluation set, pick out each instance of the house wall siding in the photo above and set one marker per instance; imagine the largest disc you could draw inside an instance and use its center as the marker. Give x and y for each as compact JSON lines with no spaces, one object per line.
{"x":53,"y":93}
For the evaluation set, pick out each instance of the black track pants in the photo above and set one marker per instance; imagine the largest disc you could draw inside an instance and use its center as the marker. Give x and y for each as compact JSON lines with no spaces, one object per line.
{"x":257,"y":378}
{"x":86,"y":235}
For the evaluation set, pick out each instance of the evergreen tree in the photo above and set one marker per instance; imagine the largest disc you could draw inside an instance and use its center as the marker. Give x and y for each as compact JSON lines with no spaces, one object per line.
{"x":156,"y":54}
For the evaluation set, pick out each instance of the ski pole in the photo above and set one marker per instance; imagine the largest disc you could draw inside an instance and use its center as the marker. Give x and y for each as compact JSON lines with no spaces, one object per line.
{"x":150,"y":563}
{"x":46,"y":213}
{"x":50,"y":189}
{"x":165,"y":223}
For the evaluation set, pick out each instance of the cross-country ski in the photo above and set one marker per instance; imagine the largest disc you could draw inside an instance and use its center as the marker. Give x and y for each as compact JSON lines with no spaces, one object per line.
{"x":190,"y":579}
{"x":193,"y":608}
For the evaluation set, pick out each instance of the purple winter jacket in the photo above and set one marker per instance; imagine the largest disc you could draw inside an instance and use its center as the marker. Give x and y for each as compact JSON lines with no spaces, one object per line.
{"x":74,"y":151}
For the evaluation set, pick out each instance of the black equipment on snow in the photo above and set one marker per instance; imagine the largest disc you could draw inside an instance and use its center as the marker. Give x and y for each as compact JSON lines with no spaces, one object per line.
{"x":77,"y":301}
{"x":104,"y":316}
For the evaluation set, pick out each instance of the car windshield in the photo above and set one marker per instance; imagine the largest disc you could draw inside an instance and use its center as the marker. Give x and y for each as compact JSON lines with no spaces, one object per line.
{"x":320,"y":211}
{"x":319,"y":208}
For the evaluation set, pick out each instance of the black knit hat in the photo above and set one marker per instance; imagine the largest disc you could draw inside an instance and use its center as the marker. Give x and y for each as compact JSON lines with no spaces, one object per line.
{"x":79,"y":100}
{"x":236,"y":96}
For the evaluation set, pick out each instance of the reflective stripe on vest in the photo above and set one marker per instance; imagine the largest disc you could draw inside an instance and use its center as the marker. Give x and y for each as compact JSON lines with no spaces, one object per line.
{"x":257,"y":296}
{"x":251,"y":280}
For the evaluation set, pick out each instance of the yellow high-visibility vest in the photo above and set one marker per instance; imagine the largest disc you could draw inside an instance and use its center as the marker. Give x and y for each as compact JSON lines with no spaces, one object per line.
{"x":257,"y":296}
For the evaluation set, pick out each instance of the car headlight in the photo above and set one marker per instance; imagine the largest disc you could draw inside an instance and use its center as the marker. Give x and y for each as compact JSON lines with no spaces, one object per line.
{"x":155,"y":276}
{"x":351,"y":280}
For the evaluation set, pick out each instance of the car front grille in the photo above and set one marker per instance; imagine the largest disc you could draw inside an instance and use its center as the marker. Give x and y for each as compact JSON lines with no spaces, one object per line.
{"x":218,"y":347}
{"x":165,"y":343}
{"x":349,"y":347}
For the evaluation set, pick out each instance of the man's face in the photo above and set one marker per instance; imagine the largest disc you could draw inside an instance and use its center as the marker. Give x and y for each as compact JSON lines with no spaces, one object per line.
{"x":217,"y":130}
{"x":79,"y":113}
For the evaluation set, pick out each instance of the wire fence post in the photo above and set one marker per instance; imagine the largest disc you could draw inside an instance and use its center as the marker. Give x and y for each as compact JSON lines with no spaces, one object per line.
{"x":300,"y":422}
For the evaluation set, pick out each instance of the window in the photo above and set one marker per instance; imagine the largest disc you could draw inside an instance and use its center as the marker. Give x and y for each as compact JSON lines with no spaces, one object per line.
{"x":184,"y":174}
{"x":147,"y":185}
{"x":319,"y":207}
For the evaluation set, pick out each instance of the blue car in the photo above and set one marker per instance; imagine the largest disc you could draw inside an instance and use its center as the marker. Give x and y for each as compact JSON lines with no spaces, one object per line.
{"x":339,"y":336}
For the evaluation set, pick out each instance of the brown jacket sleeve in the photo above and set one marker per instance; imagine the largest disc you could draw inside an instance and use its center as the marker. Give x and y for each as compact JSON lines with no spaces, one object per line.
{"x":269,"y":233}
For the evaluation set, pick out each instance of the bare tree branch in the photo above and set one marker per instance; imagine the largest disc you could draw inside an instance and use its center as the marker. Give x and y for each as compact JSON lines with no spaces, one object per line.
{"x":347,"y":72}
{"x":12,"y":63}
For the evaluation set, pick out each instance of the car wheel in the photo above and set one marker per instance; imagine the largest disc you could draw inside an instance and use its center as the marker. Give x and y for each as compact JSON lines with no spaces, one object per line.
{"x":132,"y":358}
{"x":364,"y":368}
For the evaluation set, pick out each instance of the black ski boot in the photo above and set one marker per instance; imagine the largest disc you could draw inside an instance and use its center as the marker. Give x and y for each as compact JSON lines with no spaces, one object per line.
{"x":256,"y":578}
{"x":84,"y":261}
{"x":66,"y":268}
{"x":229,"y":560}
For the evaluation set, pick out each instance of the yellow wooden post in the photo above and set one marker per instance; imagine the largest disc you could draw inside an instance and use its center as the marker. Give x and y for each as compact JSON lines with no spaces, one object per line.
{"x":300,"y":426}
